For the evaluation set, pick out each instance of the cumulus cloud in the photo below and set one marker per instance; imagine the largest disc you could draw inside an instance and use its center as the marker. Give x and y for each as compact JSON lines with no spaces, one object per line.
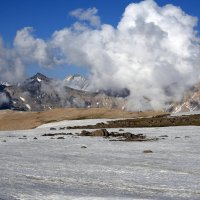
{"x":32,"y":49}
{"x":154,"y":51}
{"x":89,"y":15}
{"x":11,"y":65}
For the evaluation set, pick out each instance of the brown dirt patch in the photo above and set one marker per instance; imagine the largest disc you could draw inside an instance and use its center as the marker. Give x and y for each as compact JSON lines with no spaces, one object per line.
{"x":15,"y":120}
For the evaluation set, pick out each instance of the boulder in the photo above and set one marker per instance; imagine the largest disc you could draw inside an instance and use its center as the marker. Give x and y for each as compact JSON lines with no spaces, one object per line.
{"x":98,"y":133}
{"x":62,"y":138}
{"x":101,"y":132}
{"x":148,"y":151}
{"x":85,"y":133}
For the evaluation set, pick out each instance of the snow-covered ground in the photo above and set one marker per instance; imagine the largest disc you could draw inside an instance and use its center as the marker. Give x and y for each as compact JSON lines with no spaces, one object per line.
{"x":186,"y":113}
{"x":58,"y":169}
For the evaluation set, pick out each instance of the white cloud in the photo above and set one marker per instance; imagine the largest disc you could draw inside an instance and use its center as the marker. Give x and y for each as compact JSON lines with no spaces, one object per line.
{"x":33,"y":49}
{"x":152,"y":52}
{"x":11,"y":65}
{"x":89,"y":15}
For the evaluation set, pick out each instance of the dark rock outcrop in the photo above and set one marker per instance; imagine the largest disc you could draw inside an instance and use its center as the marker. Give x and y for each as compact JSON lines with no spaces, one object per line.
{"x":127,"y":136}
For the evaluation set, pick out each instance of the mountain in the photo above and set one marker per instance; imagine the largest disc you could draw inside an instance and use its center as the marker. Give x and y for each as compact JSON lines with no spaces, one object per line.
{"x":81,"y":83}
{"x":77,"y":82}
{"x":190,"y":101}
{"x":39,"y":93}
{"x":2,"y":83}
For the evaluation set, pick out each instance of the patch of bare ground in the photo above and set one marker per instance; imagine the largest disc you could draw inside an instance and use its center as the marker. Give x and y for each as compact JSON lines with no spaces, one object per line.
{"x":15,"y":120}
{"x":156,"y":121}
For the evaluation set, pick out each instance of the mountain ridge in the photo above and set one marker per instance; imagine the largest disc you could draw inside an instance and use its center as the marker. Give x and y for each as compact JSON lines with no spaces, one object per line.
{"x":39,"y":92}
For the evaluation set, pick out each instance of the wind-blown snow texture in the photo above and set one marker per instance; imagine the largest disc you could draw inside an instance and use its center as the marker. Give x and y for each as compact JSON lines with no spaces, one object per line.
{"x":60,"y":169}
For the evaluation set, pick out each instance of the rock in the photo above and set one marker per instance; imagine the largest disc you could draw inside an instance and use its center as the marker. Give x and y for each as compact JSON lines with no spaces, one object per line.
{"x":177,"y":137}
{"x":121,"y":129}
{"x":163,"y":136}
{"x":186,"y":137}
{"x":127,"y":135}
{"x":35,"y":138}
{"x":101,"y":132}
{"x":62,"y":138}
{"x":147,"y":151}
{"x":23,"y":138}
{"x":55,"y":134}
{"x":62,"y":128}
{"x":134,"y":137}
{"x":83,"y":147}
{"x":52,"y":128}
{"x":120,"y":136}
{"x":4,"y":141}
{"x":85,"y":133}
{"x":98,"y":133}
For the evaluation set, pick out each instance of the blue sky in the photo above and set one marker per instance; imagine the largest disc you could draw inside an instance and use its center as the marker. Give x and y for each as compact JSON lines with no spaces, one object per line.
{"x":46,"y":16}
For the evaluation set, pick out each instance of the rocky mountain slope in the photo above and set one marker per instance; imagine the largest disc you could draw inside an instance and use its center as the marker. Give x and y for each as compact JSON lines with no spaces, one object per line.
{"x":39,"y":93}
{"x":190,"y":101}
{"x":77,"y":82}
{"x":42,"y":93}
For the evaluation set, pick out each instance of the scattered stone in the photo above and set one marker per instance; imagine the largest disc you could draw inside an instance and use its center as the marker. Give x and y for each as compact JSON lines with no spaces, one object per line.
{"x":186,"y":137}
{"x":101,"y":132}
{"x":52,"y":138}
{"x":4,"y":141}
{"x":121,"y":129}
{"x":23,"y":138}
{"x":177,"y":137}
{"x":134,"y":137}
{"x":35,"y":138}
{"x":85,"y":133}
{"x":62,"y":128}
{"x":98,"y":133}
{"x":163,"y":136}
{"x":52,"y":128}
{"x":83,"y":147}
{"x":56,"y":134}
{"x":62,"y":138}
{"x":147,"y":151}
{"x":127,"y":136}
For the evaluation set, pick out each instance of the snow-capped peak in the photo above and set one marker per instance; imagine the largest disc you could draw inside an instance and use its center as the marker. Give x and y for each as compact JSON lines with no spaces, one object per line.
{"x":38,"y":79}
{"x":76,"y":82}
{"x":5,"y":83}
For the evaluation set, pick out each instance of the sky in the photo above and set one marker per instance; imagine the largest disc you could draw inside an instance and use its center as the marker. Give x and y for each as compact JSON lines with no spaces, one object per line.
{"x":48,"y":16}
